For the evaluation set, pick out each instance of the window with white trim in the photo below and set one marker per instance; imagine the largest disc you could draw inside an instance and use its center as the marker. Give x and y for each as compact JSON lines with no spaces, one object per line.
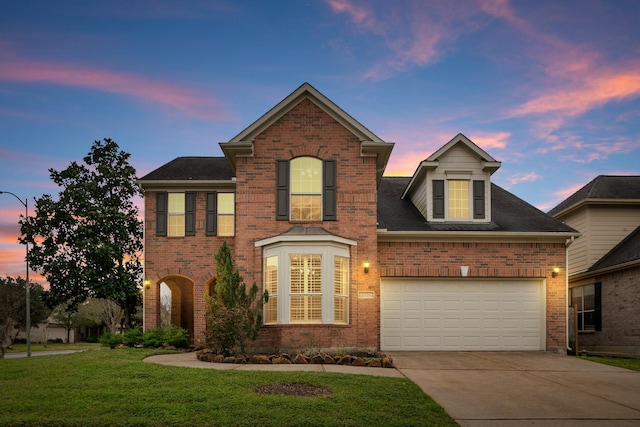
{"x":307,"y":283}
{"x":226,"y":214}
{"x":458,"y":199}
{"x":271,"y":286}
{"x":306,"y":189}
{"x":175,"y":214}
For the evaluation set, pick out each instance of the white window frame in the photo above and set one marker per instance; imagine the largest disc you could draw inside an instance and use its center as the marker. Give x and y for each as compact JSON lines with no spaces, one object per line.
{"x":328,"y":251}
{"x":319,"y":194}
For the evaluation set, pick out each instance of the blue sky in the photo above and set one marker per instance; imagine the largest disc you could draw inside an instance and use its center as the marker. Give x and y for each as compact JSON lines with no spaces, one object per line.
{"x":550,"y":88}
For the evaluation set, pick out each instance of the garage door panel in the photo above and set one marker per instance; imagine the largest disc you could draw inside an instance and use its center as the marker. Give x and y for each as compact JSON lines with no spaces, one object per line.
{"x":462,"y":315}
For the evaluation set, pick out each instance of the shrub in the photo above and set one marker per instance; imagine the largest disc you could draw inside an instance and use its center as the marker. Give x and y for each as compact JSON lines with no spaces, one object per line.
{"x":234,"y":313}
{"x":133,"y":337}
{"x":110,"y":340}
{"x":171,"y":335}
{"x":56,"y":341}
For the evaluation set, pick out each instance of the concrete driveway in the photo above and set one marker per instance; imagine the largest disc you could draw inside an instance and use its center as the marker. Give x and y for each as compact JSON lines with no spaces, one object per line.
{"x":481,"y":389}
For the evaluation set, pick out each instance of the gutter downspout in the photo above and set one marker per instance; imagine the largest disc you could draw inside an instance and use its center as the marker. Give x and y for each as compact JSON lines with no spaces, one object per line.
{"x":567,"y":243}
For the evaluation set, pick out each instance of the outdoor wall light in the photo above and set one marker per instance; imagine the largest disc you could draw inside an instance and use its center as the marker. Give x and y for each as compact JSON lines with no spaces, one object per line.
{"x":555,"y":271}
{"x":366,"y":266}
{"x":147,"y":284}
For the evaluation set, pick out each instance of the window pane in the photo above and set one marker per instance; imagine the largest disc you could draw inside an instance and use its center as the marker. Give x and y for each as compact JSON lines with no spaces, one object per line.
{"x":306,"y":189}
{"x":226,"y":203}
{"x":305,"y":288}
{"x":576,"y":297}
{"x":341,"y":273}
{"x":458,"y":198}
{"x":589,"y":297}
{"x":271,"y":310}
{"x":176,"y":214}
{"x":176,"y":225}
{"x":226,"y":225}
{"x":176,"y":203}
{"x":306,"y":309}
{"x":271,"y":285}
{"x":306,"y":207}
{"x":340,"y":307}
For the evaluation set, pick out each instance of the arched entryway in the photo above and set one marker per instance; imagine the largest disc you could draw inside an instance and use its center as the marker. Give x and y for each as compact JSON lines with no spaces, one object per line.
{"x":176,"y":302}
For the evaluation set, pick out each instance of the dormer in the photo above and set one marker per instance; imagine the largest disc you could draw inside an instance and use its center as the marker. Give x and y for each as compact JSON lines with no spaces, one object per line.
{"x":454,"y":183}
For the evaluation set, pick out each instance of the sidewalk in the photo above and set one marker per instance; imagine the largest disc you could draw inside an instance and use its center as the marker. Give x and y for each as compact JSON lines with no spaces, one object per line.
{"x":39,"y":353}
{"x":189,"y":360}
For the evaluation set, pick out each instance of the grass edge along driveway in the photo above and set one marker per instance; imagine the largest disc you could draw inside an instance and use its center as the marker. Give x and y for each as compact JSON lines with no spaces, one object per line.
{"x":115,"y":388}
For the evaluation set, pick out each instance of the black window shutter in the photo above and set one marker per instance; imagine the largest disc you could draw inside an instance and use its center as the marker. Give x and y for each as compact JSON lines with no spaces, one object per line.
{"x":211,"y":220}
{"x":598,"y":307}
{"x":282,"y":190}
{"x":438,"y":198}
{"x":329,"y":190}
{"x":478,"y":199}
{"x":189,"y":214}
{"x":161,"y":214}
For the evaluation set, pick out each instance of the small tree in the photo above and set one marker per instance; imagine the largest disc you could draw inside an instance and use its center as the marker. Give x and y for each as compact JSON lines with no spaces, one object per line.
{"x":13,"y":309}
{"x":234,"y":314}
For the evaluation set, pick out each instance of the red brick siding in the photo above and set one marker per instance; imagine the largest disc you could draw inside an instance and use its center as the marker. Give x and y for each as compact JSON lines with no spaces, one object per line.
{"x":308,"y":131}
{"x":190,"y":257}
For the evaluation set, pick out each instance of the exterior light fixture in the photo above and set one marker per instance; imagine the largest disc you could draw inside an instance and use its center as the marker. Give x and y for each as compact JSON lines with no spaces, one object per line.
{"x":366,"y":265}
{"x":555,"y":271}
{"x":147,"y":284}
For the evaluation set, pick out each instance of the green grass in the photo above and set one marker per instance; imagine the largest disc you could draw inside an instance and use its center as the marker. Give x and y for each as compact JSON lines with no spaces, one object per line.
{"x":115,"y":388}
{"x":620,"y":362}
{"x":22,"y":348}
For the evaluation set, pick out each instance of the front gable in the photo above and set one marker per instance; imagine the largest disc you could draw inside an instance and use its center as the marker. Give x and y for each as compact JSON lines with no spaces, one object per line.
{"x":242,"y":145}
{"x":454,"y":183}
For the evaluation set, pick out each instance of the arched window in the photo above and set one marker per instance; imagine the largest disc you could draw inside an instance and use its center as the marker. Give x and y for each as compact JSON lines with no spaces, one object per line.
{"x":306,"y":189}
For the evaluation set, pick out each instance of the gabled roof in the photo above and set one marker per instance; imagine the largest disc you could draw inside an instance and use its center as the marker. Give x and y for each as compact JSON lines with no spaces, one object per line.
{"x":602,"y":189}
{"x":628,"y":250}
{"x":241,"y":145}
{"x":509,"y":214}
{"x":190,"y":170}
{"x":431,"y":162}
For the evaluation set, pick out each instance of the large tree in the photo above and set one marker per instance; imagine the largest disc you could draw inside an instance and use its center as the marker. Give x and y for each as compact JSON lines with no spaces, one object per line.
{"x":88,"y":242}
{"x":13,"y":308}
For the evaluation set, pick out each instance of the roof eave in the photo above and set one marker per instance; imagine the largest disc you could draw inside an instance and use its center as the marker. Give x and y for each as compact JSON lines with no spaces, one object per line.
{"x":594,"y":201}
{"x":611,"y":269}
{"x":479,"y":236}
{"x":160,"y":184}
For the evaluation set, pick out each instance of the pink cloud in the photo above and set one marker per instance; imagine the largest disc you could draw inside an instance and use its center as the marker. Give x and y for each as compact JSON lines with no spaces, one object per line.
{"x":186,"y":100}
{"x":414,"y":39}
{"x":520,"y":177}
{"x":593,"y":90}
{"x":491,"y":140}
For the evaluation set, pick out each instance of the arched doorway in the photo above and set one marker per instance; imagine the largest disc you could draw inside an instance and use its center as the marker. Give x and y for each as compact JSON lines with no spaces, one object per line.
{"x":177,"y":303}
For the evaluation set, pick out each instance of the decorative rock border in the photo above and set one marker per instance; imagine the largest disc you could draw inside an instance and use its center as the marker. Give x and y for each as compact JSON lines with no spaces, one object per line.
{"x":377,"y":360}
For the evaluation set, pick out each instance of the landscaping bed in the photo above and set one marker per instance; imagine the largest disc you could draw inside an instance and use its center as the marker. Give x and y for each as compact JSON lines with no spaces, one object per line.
{"x":372,"y":360}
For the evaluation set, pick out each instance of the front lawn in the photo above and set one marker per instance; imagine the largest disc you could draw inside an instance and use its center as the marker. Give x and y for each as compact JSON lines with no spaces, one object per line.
{"x":22,"y":348}
{"x":114,"y":387}
{"x":621,"y":362}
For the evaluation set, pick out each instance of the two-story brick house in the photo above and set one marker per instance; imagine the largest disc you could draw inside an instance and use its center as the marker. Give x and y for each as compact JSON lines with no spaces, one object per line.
{"x":441,"y":260}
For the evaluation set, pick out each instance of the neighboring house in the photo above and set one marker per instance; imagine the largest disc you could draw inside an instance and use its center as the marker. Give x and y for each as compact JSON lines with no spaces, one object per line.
{"x":441,"y":260}
{"x":48,"y":330}
{"x":604,"y":263}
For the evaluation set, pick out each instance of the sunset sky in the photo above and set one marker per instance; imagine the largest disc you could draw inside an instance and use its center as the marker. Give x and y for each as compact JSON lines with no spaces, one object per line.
{"x":549,"y":88}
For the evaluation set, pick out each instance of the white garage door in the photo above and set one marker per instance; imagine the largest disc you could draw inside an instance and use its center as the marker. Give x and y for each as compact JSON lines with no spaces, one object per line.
{"x":469,"y":315}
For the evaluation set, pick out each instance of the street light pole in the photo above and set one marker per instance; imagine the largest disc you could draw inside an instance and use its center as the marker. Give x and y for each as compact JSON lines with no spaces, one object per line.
{"x":27,"y":286}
